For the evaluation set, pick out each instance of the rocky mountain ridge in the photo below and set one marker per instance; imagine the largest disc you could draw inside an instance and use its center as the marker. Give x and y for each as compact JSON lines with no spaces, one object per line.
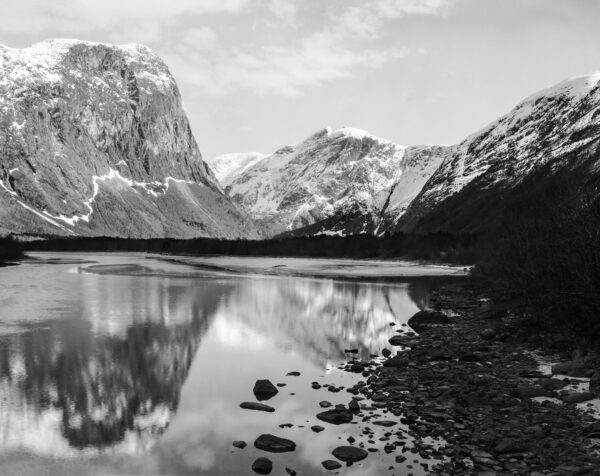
{"x":95,"y":142}
{"x":456,"y":189}
{"x":343,"y":181}
{"x":557,"y":128}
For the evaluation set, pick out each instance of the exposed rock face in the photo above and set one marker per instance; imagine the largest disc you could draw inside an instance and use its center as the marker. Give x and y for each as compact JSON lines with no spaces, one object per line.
{"x":94,"y":141}
{"x":344,"y":181}
{"x":558,"y":128}
{"x":228,"y":167}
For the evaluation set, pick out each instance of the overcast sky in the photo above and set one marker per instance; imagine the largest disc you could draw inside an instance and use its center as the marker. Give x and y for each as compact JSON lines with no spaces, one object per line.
{"x":259,"y":74}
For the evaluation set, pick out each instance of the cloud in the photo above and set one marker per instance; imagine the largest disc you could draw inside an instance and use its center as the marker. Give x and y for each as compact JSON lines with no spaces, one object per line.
{"x":368,"y":19}
{"x":334,"y":52}
{"x":284,"y":10}
{"x":278,"y":70}
{"x":202,"y":38}
{"x":120,"y":20}
{"x":277,"y":47}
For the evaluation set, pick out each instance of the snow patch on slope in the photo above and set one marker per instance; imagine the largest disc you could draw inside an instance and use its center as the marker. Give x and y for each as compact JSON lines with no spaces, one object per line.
{"x":346,"y":172}
{"x":156,"y":189}
{"x":32,"y":210}
{"x":228,"y":167}
{"x":42,"y":63}
{"x":545,"y":126}
{"x":576,"y":87}
{"x":148,"y":187}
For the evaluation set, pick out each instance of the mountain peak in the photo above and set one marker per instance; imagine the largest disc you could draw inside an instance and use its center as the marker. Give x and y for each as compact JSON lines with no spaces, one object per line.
{"x":353,"y":132}
{"x":84,"y":120}
{"x":576,"y":86}
{"x":49,"y":61}
{"x":55,"y":48}
{"x":552,"y":126}
{"x":227,"y":167}
{"x":333,"y":178}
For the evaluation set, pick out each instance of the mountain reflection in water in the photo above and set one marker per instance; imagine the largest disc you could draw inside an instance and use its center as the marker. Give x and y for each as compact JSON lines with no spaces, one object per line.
{"x":118,"y":369}
{"x":98,"y":362}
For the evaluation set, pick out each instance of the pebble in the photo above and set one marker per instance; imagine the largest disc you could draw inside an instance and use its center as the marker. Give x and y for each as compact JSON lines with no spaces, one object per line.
{"x":257,"y":406}
{"x":262,"y":466}
{"x":330,"y":464}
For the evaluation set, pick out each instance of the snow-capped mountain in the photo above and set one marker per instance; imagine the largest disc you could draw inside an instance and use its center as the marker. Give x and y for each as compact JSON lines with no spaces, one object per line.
{"x":95,"y":142}
{"x":335,"y":182}
{"x":557,"y":127}
{"x":228,"y":167}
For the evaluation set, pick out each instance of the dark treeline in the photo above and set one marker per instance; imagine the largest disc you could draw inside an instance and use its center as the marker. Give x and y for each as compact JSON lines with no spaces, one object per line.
{"x":9,"y":250}
{"x":544,"y":260}
{"x":438,"y":247}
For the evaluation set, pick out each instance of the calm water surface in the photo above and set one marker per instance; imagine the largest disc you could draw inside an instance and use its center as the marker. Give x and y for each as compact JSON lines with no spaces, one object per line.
{"x":134,"y":365}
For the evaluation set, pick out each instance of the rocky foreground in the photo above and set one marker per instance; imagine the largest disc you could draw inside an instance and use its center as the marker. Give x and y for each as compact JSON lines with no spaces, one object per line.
{"x":467,"y":380}
{"x":465,"y":397}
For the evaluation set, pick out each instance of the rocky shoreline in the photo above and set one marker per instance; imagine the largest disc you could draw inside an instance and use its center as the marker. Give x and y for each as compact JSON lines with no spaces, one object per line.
{"x":465,"y":396}
{"x":470,"y":382}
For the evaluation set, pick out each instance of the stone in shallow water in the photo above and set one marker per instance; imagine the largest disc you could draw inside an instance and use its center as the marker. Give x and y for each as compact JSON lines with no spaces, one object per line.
{"x":264,"y":390}
{"x":294,"y":374}
{"x":422,"y":319}
{"x":274,"y":444}
{"x":257,"y":406}
{"x":239,"y":444}
{"x":349,"y":454}
{"x":336,"y":417}
{"x":386,"y":423}
{"x":262,"y":466}
{"x":330,"y":464}
{"x":325,"y":404}
{"x":317,"y":428}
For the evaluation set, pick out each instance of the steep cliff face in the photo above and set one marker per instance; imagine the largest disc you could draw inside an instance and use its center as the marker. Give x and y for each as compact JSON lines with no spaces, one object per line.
{"x":343,"y":181}
{"x":555,"y":129}
{"x":94,"y":141}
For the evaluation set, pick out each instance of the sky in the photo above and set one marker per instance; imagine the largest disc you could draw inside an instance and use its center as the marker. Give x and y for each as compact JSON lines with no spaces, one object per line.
{"x":259,"y":74}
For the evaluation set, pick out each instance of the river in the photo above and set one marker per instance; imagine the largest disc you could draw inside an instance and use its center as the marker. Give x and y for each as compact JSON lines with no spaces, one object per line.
{"x":137,"y":364}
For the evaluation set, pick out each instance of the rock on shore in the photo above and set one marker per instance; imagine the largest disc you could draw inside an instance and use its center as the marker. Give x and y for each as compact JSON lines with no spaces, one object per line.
{"x":475,"y":393}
